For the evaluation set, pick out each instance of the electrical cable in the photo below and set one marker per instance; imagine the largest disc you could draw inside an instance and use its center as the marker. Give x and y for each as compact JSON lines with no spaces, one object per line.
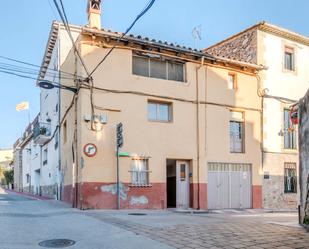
{"x":144,"y":11}
{"x":33,"y":65}
{"x":67,"y":27}
{"x":27,"y":71}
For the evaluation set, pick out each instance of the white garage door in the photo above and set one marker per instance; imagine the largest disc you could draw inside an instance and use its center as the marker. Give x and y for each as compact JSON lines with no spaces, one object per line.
{"x":229,"y":185}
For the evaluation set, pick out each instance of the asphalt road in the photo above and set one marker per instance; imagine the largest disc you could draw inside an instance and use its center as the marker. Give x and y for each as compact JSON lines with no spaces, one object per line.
{"x":25,"y":222}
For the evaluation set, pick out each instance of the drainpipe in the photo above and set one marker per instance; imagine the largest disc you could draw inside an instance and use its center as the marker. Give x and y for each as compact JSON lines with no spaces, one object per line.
{"x":60,"y":177}
{"x":198,"y":131}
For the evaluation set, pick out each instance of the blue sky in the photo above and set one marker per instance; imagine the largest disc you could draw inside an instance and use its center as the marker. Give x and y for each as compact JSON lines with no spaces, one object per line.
{"x":25,"y":26}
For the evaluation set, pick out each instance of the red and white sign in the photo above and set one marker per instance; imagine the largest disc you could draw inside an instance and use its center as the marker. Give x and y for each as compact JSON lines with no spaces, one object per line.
{"x":90,"y":150}
{"x":294,"y":115}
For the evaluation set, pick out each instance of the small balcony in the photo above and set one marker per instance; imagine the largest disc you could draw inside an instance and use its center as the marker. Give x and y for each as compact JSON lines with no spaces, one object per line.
{"x":41,"y":133}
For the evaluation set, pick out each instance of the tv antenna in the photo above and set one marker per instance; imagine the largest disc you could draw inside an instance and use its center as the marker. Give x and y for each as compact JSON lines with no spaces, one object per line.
{"x":197,"y":35}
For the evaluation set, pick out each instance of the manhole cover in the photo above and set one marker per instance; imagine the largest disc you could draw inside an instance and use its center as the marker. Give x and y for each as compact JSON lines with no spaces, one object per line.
{"x":57,"y":243}
{"x":137,"y":214}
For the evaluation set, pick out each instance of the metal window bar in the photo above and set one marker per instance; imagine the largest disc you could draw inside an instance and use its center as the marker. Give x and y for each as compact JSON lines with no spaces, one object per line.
{"x":140,"y":178}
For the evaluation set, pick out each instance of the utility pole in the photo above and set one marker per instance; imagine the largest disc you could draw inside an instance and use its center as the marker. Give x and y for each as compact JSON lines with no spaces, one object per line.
{"x":119,"y":144}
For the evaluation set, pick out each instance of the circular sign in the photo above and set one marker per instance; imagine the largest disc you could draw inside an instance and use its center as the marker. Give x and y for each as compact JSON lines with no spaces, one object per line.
{"x":90,"y":150}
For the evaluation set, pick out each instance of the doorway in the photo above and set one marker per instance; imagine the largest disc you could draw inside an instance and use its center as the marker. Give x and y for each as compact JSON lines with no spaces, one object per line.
{"x":177,"y":184}
{"x":37,"y":174}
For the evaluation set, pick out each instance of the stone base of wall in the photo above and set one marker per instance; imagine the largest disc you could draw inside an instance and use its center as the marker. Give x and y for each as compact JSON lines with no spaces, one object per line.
{"x":257,"y":197}
{"x":198,"y":196}
{"x":49,"y":191}
{"x":46,"y":191}
{"x":29,"y":190}
{"x":273,"y":188}
{"x":104,"y":196}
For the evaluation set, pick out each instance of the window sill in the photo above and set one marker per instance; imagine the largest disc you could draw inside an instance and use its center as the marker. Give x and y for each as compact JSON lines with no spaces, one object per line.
{"x":290,"y":151}
{"x":135,"y":185}
{"x":160,"y":121}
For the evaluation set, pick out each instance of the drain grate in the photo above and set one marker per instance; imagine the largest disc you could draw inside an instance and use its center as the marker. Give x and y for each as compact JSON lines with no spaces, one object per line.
{"x":57,"y":243}
{"x":137,"y":214}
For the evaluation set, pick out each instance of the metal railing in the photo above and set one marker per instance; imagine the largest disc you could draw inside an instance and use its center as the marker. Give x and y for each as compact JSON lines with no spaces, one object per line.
{"x":43,"y":129}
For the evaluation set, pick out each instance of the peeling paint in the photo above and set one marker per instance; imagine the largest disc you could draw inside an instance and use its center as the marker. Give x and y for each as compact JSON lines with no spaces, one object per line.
{"x":112,"y":188}
{"x":139,"y":200}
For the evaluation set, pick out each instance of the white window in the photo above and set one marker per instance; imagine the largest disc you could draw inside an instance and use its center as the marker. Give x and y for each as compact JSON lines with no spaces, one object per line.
{"x":290,"y":178}
{"x":236,"y":132}
{"x":140,"y":172}
{"x":289,"y":59}
{"x":27,"y":178}
{"x":158,"y":111}
{"x":232,"y":81}
{"x":158,"y":68}
{"x":290,"y":134}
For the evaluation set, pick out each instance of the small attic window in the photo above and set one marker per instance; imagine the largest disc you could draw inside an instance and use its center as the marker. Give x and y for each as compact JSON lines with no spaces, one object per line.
{"x":158,"y":68}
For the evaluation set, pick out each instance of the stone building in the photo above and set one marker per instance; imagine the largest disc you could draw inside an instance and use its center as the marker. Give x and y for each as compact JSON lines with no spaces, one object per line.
{"x":191,"y":122}
{"x":304,"y":159}
{"x":286,"y":56}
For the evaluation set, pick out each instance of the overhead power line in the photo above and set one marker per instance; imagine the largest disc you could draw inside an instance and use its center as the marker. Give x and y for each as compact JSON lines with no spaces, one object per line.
{"x":37,"y":66}
{"x":64,"y":19}
{"x":144,"y":11}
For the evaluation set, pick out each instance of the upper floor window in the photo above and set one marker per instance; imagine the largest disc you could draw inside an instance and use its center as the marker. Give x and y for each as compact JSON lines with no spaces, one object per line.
{"x":158,"y":68}
{"x":159,"y":111}
{"x":27,"y":178}
{"x":289,"y":59}
{"x":45,"y":156}
{"x":236,"y":132}
{"x":290,"y":134}
{"x":232,"y":81}
{"x":290,"y":178}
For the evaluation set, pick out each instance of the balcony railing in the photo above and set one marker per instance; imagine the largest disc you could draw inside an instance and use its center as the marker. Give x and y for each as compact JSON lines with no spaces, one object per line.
{"x":41,"y":132}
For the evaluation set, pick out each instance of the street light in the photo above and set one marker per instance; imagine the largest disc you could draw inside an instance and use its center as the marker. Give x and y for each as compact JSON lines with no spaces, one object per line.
{"x":49,"y":85}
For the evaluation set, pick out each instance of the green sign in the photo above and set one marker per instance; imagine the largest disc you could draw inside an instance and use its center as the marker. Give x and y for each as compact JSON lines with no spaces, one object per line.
{"x":124,"y":154}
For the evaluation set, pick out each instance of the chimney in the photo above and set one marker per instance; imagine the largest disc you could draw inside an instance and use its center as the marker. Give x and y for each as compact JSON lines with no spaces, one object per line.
{"x":94,"y":14}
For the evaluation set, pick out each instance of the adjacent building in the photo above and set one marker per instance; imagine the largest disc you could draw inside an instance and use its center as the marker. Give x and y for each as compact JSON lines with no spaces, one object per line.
{"x":285,"y":55}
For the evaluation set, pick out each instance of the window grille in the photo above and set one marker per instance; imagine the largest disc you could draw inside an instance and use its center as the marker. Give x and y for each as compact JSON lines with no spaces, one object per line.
{"x":290,"y":178}
{"x":140,"y":172}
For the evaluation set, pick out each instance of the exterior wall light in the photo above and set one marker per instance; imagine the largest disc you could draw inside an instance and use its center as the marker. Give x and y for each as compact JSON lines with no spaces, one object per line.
{"x":49,"y":85}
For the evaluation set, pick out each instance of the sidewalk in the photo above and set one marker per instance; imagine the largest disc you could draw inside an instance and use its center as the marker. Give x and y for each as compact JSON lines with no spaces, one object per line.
{"x":28,"y":195}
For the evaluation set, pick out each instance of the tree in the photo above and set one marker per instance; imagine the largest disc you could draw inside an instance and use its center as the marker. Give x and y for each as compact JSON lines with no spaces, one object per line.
{"x":9,"y":176}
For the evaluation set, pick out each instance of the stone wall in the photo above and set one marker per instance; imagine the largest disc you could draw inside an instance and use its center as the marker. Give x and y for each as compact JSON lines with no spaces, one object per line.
{"x":274,"y":196}
{"x":49,"y":191}
{"x":304,"y":158}
{"x":242,"y":47}
{"x":46,"y":191}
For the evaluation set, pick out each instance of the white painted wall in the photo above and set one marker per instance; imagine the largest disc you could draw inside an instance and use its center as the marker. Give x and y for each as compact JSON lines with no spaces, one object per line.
{"x":50,"y":108}
{"x":280,"y":83}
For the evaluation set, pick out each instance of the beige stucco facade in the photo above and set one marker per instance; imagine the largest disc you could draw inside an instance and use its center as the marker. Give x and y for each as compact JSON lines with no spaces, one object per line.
{"x":198,"y":132}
